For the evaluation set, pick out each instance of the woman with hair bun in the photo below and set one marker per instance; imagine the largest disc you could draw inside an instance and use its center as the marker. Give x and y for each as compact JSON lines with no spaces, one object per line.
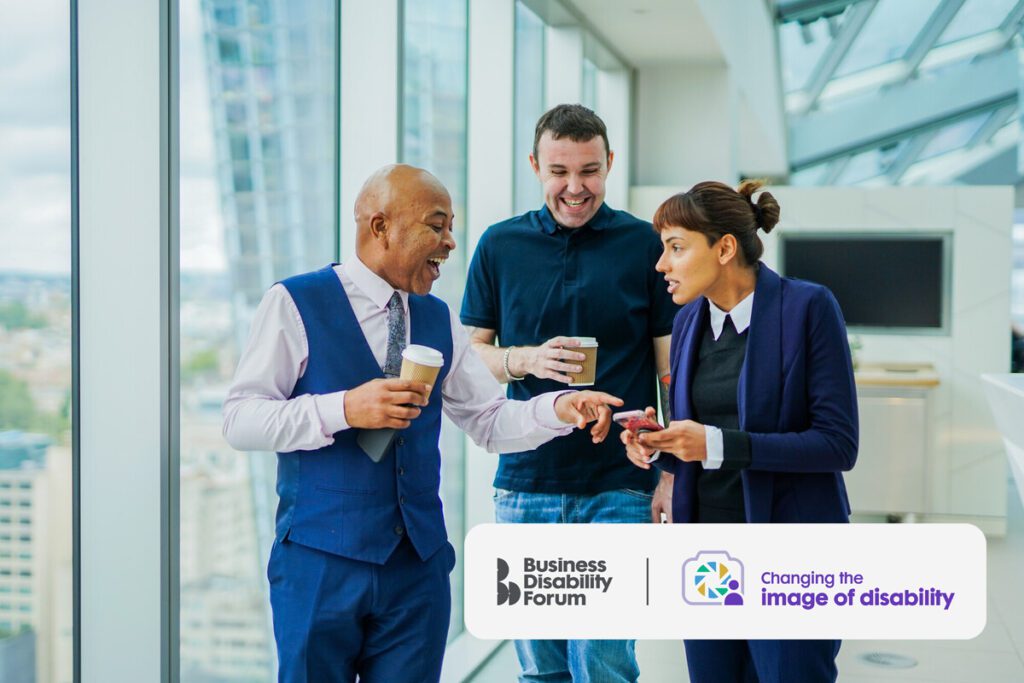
{"x":763,"y":403}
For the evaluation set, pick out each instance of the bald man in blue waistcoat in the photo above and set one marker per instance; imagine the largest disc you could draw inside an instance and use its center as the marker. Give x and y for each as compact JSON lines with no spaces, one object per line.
{"x":359,"y":570}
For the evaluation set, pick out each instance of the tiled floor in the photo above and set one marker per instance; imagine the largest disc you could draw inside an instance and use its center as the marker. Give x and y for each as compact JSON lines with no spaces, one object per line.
{"x":996,"y":656}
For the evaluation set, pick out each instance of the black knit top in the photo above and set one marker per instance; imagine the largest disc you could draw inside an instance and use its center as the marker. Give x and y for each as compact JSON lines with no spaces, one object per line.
{"x":713,"y":393}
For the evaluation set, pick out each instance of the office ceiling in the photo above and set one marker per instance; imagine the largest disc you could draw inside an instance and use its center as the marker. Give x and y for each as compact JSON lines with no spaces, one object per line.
{"x":649,"y":32}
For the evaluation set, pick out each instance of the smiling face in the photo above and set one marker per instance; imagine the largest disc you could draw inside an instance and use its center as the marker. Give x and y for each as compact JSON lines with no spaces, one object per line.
{"x":573,"y":175}
{"x":692,"y":268}
{"x":404,"y":227}
{"x":418,"y":238}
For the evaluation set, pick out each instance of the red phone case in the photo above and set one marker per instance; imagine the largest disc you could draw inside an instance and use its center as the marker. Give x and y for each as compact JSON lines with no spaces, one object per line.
{"x":642,"y":424}
{"x":637,"y":422}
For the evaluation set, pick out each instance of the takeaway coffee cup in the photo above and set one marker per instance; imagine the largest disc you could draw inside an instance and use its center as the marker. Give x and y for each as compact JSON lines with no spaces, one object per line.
{"x":421,"y":363}
{"x":586,"y":377}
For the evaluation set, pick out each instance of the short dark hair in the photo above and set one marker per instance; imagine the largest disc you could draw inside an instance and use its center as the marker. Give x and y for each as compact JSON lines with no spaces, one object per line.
{"x":573,"y":121}
{"x":714,"y":209}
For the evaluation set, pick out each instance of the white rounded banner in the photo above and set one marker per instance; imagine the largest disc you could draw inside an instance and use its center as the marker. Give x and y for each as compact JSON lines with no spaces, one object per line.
{"x":647,"y":581}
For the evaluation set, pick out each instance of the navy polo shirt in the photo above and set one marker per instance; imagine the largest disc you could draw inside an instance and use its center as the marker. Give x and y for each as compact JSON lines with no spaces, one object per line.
{"x":530,"y":280}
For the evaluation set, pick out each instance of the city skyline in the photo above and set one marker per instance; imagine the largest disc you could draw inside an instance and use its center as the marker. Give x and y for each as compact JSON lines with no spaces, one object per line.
{"x":35,"y":144}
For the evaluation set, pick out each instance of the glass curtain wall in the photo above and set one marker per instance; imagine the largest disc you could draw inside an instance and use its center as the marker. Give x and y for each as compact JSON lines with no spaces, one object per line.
{"x":1017,"y":293}
{"x":589,"y":87}
{"x":529,"y":104}
{"x":36,"y":603}
{"x":258,"y":203}
{"x":433,"y":119}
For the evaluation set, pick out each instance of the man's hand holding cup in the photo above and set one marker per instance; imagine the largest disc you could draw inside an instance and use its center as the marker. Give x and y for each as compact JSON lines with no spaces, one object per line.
{"x":385,"y":403}
{"x":554,"y":359}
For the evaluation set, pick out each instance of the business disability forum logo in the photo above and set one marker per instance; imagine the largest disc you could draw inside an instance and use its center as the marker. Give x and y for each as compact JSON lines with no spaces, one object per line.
{"x":508,"y":592}
{"x":558,"y":582}
{"x":713,"y":577}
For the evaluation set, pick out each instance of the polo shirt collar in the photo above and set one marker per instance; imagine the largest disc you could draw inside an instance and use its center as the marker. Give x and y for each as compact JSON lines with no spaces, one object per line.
{"x":600,"y":220}
{"x":372,"y":285}
{"x":740,"y":315}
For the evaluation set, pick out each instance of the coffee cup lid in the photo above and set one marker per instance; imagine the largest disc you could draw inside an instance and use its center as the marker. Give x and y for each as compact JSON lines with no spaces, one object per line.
{"x":423,"y":355}
{"x":586,"y":341}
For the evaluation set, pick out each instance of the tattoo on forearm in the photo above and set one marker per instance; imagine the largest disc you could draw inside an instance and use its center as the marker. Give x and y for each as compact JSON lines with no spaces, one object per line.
{"x":666,"y":412}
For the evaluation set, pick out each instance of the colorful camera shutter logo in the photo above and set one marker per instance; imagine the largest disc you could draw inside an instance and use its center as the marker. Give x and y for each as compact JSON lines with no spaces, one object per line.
{"x":713,"y":577}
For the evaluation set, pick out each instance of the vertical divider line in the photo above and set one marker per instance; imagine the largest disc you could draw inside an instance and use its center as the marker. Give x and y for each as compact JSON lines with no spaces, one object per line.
{"x":170,"y":263}
{"x":76,"y":403}
{"x":400,"y":99}
{"x":337,"y":132}
{"x":648,"y":582}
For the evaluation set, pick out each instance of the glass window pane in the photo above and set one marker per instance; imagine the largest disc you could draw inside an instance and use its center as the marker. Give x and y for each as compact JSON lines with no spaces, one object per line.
{"x":888,"y":33}
{"x":434,"y":82}
{"x":974,"y":17}
{"x":1017,"y":289}
{"x":589,"y":96}
{"x":863,"y":166}
{"x":953,"y":136}
{"x":813,"y":175}
{"x":529,"y":104}
{"x":36,"y":628}
{"x":801,"y":48}
{"x":244,"y":225}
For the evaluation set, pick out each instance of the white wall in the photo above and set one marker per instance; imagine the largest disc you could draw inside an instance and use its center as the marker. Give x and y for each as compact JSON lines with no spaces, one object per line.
{"x":715,"y":119}
{"x":682,"y":131}
{"x":746,"y":33}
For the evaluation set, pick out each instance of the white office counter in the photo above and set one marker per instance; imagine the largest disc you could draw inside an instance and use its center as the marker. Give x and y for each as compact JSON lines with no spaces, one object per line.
{"x":1006,"y":398}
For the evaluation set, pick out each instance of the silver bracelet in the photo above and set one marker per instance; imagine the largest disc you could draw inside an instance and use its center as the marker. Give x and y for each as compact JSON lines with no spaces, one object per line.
{"x":509,"y":377}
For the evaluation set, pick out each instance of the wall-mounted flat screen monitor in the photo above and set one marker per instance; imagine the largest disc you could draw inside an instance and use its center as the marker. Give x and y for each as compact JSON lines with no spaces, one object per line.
{"x":898,"y":283}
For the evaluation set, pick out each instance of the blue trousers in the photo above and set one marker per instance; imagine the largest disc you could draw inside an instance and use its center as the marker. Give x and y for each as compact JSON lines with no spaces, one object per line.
{"x":575,"y":661}
{"x":762,"y":661}
{"x":336,"y":618}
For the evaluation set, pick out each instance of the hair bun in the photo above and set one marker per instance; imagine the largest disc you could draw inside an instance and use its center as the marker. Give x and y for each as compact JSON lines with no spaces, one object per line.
{"x":766,"y":209}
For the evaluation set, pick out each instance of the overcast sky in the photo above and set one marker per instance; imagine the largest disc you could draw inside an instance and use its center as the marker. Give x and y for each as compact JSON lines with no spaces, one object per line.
{"x":35,"y":142}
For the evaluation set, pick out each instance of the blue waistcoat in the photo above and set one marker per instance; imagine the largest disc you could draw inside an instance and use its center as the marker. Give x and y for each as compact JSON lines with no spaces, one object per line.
{"x":336,"y":499}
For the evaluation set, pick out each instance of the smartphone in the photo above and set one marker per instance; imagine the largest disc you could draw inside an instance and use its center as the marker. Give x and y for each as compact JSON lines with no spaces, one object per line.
{"x":636,"y":421}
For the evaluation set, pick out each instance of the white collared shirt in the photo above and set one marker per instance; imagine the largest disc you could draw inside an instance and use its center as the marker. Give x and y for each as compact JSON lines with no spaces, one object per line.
{"x":740,"y":316}
{"x":259,"y":415}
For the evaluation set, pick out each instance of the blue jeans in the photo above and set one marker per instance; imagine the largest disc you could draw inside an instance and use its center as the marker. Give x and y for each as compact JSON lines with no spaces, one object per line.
{"x":574,"y":661}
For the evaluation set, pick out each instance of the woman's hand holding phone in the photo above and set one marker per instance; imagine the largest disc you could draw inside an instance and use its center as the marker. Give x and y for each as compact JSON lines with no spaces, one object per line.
{"x":633,"y":423}
{"x":684,"y":439}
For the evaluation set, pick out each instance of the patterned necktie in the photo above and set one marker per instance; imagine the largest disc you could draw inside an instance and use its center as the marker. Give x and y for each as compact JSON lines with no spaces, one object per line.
{"x":396,"y":337}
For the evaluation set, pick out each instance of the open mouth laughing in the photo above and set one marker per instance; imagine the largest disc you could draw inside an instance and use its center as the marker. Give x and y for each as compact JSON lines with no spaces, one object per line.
{"x":576,"y":205}
{"x":435,"y":265}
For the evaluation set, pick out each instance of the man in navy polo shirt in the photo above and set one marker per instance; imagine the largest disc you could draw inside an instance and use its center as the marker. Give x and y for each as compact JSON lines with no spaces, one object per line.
{"x":575,"y":267}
